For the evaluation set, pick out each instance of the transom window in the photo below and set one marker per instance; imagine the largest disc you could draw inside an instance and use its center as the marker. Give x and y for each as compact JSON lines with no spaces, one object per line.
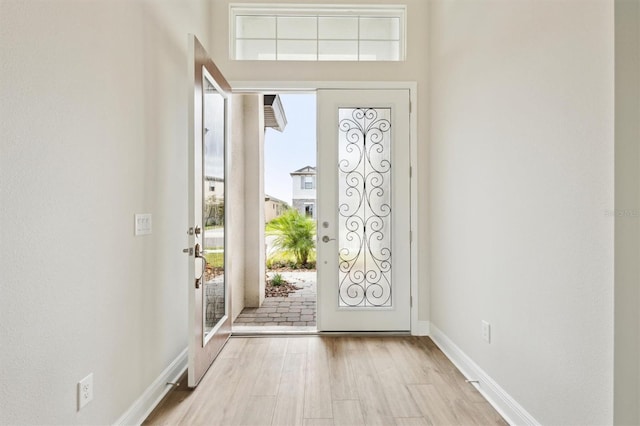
{"x":289,"y":32}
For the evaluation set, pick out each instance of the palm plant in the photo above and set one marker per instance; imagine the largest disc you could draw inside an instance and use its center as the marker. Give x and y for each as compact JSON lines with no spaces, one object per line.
{"x":294,"y":234}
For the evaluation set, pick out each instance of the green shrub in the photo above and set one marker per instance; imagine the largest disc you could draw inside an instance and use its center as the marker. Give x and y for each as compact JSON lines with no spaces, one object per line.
{"x":277,"y":280}
{"x":295,"y":234}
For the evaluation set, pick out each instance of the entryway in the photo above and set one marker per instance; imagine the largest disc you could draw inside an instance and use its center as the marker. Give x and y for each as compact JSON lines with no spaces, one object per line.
{"x":357,"y":205}
{"x":289,"y":187}
{"x":360,"y":227}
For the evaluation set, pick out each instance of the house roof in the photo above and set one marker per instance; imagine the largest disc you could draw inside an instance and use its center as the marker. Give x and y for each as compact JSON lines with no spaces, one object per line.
{"x":268,"y":197}
{"x":274,"y":115}
{"x":307,"y":170}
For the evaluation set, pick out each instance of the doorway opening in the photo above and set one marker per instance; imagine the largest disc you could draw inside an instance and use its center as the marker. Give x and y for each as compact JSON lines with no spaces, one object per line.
{"x":290,"y":302}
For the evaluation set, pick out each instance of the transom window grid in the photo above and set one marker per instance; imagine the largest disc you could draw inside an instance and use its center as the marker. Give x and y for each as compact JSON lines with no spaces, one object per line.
{"x":318,"y":33}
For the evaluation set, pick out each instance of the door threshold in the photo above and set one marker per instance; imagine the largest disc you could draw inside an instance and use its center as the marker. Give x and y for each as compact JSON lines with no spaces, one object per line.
{"x":293,"y":331}
{"x":244,"y":330}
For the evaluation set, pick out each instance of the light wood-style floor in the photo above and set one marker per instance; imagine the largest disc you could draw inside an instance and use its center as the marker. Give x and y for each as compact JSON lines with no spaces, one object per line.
{"x":337,"y":380}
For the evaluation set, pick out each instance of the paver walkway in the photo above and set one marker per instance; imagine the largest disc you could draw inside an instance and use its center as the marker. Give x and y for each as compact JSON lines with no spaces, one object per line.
{"x":298,"y":310}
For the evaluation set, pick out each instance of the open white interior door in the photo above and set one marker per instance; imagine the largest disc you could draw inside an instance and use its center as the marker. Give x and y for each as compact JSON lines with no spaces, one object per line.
{"x":363,"y":210}
{"x":209,"y":291}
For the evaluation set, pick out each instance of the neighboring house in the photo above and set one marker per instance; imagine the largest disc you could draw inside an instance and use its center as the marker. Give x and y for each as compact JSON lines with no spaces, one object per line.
{"x":214,"y":186}
{"x":273,"y":208}
{"x":214,"y":201}
{"x":304,"y":191}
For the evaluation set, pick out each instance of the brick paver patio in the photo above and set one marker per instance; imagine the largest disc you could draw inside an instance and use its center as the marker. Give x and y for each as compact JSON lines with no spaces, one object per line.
{"x":298,"y":310}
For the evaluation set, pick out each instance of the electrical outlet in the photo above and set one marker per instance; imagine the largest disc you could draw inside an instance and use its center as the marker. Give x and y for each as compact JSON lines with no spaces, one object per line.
{"x":486,"y":331}
{"x":85,"y":391}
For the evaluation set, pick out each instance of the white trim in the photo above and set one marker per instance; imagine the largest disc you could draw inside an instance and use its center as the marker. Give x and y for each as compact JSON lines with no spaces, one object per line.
{"x":417,"y":328}
{"x":420,"y":328}
{"x":306,"y":8}
{"x":508,"y":407}
{"x":144,"y":405}
{"x":270,"y":87}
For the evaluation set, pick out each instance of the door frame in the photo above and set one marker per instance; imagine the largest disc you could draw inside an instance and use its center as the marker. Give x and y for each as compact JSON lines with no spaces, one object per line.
{"x":417,"y":327}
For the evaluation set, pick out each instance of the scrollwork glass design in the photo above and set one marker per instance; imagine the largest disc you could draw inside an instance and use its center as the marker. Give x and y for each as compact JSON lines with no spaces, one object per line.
{"x":364,"y":207}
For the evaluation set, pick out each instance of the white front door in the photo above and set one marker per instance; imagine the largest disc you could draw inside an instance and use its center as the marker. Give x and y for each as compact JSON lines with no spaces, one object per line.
{"x":209,"y":296}
{"x":363,"y":204}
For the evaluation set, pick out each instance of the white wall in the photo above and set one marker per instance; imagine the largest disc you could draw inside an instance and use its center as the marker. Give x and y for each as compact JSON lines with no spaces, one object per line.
{"x":253,"y":140}
{"x":93,"y":130}
{"x":520,"y":177}
{"x":413,"y":69}
{"x":236,"y":213}
{"x":627,"y":213}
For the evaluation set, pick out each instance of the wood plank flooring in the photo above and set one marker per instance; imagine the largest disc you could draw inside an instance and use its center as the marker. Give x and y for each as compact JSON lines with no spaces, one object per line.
{"x":326,"y":381}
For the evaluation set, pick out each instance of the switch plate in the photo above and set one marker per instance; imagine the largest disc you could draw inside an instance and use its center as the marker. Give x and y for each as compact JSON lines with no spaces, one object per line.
{"x":486,"y":331}
{"x":85,"y":391}
{"x":143,"y":224}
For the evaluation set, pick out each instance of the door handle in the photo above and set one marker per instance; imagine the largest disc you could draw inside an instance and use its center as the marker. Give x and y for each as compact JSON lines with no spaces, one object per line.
{"x":198,"y":255}
{"x":326,"y":239}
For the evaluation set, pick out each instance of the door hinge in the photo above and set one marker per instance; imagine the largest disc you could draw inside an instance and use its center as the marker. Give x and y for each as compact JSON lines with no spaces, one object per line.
{"x":410,"y":107}
{"x":411,"y":301}
{"x":410,"y":237}
{"x":410,"y":171}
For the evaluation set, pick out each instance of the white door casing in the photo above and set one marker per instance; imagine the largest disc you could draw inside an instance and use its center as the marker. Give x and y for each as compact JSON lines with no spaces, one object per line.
{"x":364,"y":195}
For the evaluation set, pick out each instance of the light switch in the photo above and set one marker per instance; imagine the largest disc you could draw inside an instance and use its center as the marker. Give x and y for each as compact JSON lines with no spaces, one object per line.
{"x":143,"y":224}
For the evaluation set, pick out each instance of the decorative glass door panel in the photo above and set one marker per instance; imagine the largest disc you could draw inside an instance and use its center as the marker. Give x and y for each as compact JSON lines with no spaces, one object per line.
{"x":364,"y":207}
{"x":363,"y":202}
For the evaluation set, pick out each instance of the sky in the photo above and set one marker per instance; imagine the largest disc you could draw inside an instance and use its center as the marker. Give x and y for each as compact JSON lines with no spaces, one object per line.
{"x":292,"y":149}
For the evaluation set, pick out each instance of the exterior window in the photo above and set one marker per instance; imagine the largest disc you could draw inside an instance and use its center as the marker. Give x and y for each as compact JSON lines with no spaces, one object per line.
{"x":317,"y":32}
{"x":307,"y":182}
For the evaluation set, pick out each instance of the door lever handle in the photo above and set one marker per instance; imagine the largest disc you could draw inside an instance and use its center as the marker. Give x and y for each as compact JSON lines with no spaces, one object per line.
{"x":199,"y":255}
{"x":326,"y":239}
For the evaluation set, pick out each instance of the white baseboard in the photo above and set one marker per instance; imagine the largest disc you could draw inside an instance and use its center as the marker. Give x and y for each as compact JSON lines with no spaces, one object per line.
{"x":420,"y":328}
{"x":508,"y":407}
{"x":152,"y":396}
